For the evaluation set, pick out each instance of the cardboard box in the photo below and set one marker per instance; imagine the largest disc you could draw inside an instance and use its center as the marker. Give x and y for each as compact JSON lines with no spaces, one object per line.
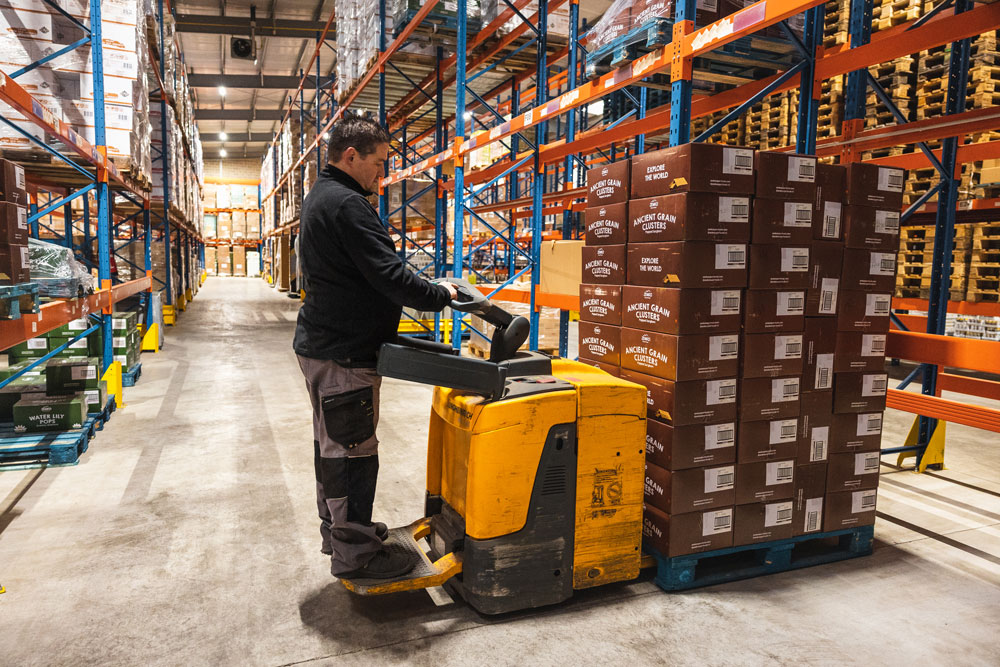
{"x":872,"y":228}
{"x":765,"y":481}
{"x":224,"y":258}
{"x":872,"y":185}
{"x":820,"y":339}
{"x":96,"y":399}
{"x":614,"y":371}
{"x":32,"y":348}
{"x":698,"y":167}
{"x":600,"y":342}
{"x":857,"y":352}
{"x":601,"y":303}
{"x":607,"y":225}
{"x":125,"y":320}
{"x":15,"y":267}
{"x":680,"y":358}
{"x":211,"y":267}
{"x":777,"y":221}
{"x":779,"y":267}
{"x":17,"y":389}
{"x":768,"y":440}
{"x":864,"y":311}
{"x":850,"y":432}
{"x":687,"y":264}
{"x":849,"y":472}
{"x":689,"y":216}
{"x":810,"y":487}
{"x":815,"y":420}
{"x":771,"y":355}
{"x":66,"y":376}
{"x":683,"y":447}
{"x":769,"y":398}
{"x":560,"y":267}
{"x":681,"y":311}
{"x":785,"y":176}
{"x":826,"y":263}
{"x":12,"y":185}
{"x":859,"y":392}
{"x":682,"y":534}
{"x":608,"y":184}
{"x":239,"y":261}
{"x":691,"y":490}
{"x":774,"y":311}
{"x":828,"y":211}
{"x":604,"y":264}
{"x":40,"y":412}
{"x":762,"y":522}
{"x":13,"y":224}
{"x":869,"y":270}
{"x":849,"y":509}
{"x":687,"y":403}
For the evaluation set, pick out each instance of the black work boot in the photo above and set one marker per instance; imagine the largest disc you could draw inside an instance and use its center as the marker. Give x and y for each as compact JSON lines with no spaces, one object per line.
{"x":387,"y":563}
{"x":381,"y":532}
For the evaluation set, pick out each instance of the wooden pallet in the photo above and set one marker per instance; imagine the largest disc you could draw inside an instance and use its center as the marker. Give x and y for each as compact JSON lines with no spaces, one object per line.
{"x":978,"y":295}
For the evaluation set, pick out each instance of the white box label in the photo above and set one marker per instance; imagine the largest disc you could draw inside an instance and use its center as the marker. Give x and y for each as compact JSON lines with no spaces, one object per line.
{"x":887,"y":222}
{"x":828,"y":291}
{"x":720,"y":391}
{"x":729,"y":256}
{"x":863,"y":501}
{"x":93,"y":396}
{"x":778,"y":514}
{"x":119,"y":341}
{"x":80,"y":344}
{"x":83,"y":372}
{"x":18,"y":177}
{"x":832,"y":211}
{"x":734,"y":209}
{"x":882,"y":264}
{"x":784,"y":390}
{"x":874,"y":384}
{"x":866,"y":463}
{"x":869,"y":424}
{"x":723,"y":347}
{"x":719,"y":479}
{"x":783,"y":430}
{"x":890,"y":180}
{"x":37,"y":343}
{"x":802,"y":169}
{"x":814,"y":515}
{"x":737,"y":161}
{"x":779,"y":472}
{"x":819,"y":443}
{"x":877,"y":305}
{"x":873,"y":345}
{"x":78,"y":325}
{"x":725,"y":302}
{"x":720,"y":436}
{"x":824,"y":371}
{"x":794,"y":259}
{"x":22,"y":217}
{"x":788,"y":347}
{"x":715,"y":522}
{"x":791,"y":303}
{"x":798,"y":214}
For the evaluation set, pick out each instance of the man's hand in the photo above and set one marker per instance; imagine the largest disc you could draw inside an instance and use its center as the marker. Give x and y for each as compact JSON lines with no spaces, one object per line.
{"x":452,"y":290}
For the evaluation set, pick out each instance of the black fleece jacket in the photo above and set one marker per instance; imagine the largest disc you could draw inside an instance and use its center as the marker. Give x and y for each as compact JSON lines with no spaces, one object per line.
{"x":356,"y":285}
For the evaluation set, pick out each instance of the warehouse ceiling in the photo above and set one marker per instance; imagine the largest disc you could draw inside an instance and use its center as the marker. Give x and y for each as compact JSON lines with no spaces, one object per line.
{"x":239,"y":103}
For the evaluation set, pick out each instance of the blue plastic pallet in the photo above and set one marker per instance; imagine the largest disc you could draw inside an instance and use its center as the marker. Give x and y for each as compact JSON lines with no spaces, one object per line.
{"x":17,"y":300}
{"x":680,"y":573}
{"x":131,"y":376}
{"x":650,"y":35}
{"x":55,"y":448}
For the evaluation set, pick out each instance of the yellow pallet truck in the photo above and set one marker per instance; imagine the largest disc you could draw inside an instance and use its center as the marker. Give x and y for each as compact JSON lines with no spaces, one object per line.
{"x":535,"y":471}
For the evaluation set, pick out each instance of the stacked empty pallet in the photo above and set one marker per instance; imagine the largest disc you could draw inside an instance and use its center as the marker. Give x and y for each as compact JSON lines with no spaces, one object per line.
{"x":732,"y":133}
{"x":984,"y":262}
{"x":772,"y":123}
{"x":916,"y":257}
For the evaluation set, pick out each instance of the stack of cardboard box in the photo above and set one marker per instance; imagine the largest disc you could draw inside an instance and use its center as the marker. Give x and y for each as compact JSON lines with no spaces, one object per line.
{"x":14,"y":264}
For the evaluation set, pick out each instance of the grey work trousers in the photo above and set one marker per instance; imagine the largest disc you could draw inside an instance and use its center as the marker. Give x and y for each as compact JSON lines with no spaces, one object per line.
{"x":345,"y":415}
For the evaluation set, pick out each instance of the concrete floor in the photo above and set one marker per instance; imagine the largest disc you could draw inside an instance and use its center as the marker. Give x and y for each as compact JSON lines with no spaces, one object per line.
{"x":187,"y":536}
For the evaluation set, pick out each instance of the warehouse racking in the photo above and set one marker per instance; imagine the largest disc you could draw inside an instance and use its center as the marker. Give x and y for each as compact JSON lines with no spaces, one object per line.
{"x":543,"y":141}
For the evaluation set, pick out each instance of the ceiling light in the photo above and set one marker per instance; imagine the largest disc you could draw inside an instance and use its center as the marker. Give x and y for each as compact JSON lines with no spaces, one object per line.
{"x":223,"y":136}
{"x":222,"y":91}
{"x":326,"y":136}
{"x":222,"y":152}
{"x":468,"y":115}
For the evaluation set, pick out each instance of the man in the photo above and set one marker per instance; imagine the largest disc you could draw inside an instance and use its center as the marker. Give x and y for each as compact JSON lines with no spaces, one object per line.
{"x":356,"y":287}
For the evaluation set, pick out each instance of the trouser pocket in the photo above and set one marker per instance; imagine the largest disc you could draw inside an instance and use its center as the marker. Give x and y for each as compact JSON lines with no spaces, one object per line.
{"x":350,"y":417}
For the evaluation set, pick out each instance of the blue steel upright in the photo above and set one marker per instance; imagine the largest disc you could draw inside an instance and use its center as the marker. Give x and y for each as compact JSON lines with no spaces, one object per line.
{"x":165,"y":156}
{"x":680,"y":90}
{"x":458,"y":241}
{"x":102,"y":190}
{"x":538,"y":172}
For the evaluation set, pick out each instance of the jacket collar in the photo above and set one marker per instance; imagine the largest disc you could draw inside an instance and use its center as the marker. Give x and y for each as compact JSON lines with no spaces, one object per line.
{"x":344,"y":178}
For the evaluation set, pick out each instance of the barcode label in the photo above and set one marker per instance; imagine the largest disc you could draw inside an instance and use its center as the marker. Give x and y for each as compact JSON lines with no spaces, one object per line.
{"x":734,"y":209}
{"x":794,"y":259}
{"x":22,"y":217}
{"x":874,"y":385}
{"x":863,"y":501}
{"x":788,"y":347}
{"x":723,"y":347}
{"x":819,"y":441}
{"x":718,"y":436}
{"x":737,"y":161}
{"x":730,"y":256}
{"x":18,"y":177}
{"x":717,"y":521}
{"x":784,"y":390}
{"x":828,"y":291}
{"x":791,"y":303}
{"x":824,"y":371}
{"x":877,"y":305}
{"x":831,"y":219}
{"x":798,"y":214}
{"x":778,"y":514}
{"x":779,"y":472}
{"x":785,"y":430}
{"x":873,"y":345}
{"x":719,"y":479}
{"x":801,"y":169}
{"x":890,"y":180}
{"x":84,"y":373}
{"x":725,"y":302}
{"x":866,"y":463}
{"x":37,"y":343}
{"x":882,"y":264}
{"x":814,"y":512}
{"x":887,"y":222}
{"x":720,"y":391}
{"x":869,"y":424}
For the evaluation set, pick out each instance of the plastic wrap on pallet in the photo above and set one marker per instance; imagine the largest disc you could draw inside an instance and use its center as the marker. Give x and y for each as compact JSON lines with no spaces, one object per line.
{"x":57,"y":273}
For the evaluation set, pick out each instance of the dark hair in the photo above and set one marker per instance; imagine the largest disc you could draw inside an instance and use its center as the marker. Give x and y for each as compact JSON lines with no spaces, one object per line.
{"x":355,"y":131}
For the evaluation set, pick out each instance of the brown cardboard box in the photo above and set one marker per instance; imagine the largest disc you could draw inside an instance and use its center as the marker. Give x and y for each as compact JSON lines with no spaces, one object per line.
{"x":828,"y":213}
{"x":691,"y":490}
{"x":859,"y":392}
{"x":858,"y":352}
{"x":607,"y":368}
{"x":12,"y":185}
{"x":820,"y":340}
{"x":687,"y":264}
{"x":872,"y":185}
{"x":681,"y":311}
{"x":864,"y":311}
{"x":830,"y":182}
{"x":849,"y":509}
{"x":689,"y":216}
{"x":826,"y":263}
{"x":872,"y":228}
{"x":224,"y":226}
{"x":682,"y":447}
{"x":223,"y":254}
{"x":693,"y":168}
{"x":682,"y":534}
{"x":687,"y":403}
{"x":768,"y":440}
{"x":771,"y":355}
{"x":765,"y":481}
{"x":13,"y":224}
{"x":810,"y":487}
{"x":239,"y":261}
{"x":870,"y":270}
{"x":774,"y":311}
{"x":777,"y":221}
{"x":762,"y":522}
{"x":560,"y":267}
{"x":785,"y":176}
{"x":769,"y":398}
{"x":15,"y":267}
{"x":608,"y":184}
{"x":601,"y":303}
{"x":779,"y":267}
{"x":850,"y":432}
{"x":607,"y":225}
{"x":815,"y":419}
{"x":210,"y":266}
{"x":604,"y":264}
{"x":680,"y":358}
{"x":848,"y":472}
{"x":600,"y":342}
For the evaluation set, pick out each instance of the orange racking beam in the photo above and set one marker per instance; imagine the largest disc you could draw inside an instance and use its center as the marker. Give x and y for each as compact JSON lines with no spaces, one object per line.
{"x":514,"y":295}
{"x":958,"y":307}
{"x":941,"y":408}
{"x":968,"y":353}
{"x":970,"y":386}
{"x":988,"y":150}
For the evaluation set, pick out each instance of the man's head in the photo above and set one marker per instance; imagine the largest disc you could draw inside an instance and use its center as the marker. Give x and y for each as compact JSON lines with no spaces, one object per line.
{"x":360,"y":147}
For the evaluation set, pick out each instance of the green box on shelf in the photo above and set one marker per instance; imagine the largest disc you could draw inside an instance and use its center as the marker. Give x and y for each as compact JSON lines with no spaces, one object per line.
{"x":41,"y":412}
{"x":82,"y":347}
{"x":127,"y":360}
{"x":96,"y":398}
{"x":12,"y":393}
{"x":73,"y":374}
{"x":125,"y":321}
{"x":122,"y":343}
{"x":29,"y":349}
{"x":71,"y":328}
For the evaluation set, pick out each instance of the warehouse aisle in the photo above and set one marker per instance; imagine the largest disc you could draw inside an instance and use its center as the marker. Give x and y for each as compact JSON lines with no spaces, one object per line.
{"x":187,"y":535}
